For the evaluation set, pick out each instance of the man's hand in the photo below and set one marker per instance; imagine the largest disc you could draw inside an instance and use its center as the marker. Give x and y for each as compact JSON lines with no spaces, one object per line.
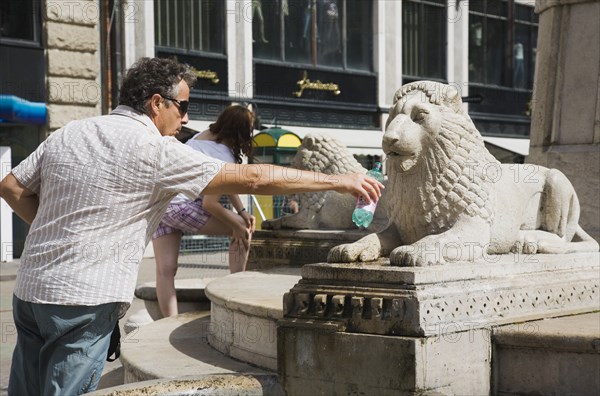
{"x":358,"y":184}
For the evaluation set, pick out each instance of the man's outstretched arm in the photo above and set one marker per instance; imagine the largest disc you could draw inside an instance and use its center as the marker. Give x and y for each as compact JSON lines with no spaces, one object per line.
{"x":24,"y":202}
{"x":276,"y":180}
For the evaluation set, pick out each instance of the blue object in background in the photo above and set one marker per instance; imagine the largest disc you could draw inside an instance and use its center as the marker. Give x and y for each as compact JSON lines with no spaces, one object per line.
{"x":20,"y":111}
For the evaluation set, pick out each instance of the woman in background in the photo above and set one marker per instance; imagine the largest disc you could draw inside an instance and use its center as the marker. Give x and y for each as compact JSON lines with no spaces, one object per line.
{"x":228,"y":139}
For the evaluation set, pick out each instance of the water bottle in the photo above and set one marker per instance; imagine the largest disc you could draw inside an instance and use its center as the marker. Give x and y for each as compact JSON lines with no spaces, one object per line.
{"x":363,"y":212}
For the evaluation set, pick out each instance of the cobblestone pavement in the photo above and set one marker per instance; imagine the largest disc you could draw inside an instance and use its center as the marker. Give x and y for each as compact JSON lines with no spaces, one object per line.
{"x":207,"y":265}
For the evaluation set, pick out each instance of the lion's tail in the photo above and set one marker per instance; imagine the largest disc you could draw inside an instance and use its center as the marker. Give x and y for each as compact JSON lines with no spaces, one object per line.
{"x":585,"y":241}
{"x":582,"y":242}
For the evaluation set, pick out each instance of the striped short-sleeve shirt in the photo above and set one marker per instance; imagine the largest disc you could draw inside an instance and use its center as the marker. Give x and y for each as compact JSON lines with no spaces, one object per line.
{"x":103,"y":184}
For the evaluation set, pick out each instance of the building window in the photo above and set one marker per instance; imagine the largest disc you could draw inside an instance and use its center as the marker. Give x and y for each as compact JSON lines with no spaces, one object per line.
{"x":502,"y":39}
{"x":330,"y":33}
{"x":424,"y":35}
{"x":191,"y":25}
{"x":526,"y":29}
{"x":20,"y":21}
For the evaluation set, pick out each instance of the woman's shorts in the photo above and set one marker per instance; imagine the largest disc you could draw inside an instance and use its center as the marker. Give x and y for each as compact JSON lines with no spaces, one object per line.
{"x":185,"y":217}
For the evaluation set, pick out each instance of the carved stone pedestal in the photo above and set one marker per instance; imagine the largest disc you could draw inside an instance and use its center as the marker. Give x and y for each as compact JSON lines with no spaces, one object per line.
{"x":329,"y":361}
{"x":295,"y":247}
{"x":376,"y":329}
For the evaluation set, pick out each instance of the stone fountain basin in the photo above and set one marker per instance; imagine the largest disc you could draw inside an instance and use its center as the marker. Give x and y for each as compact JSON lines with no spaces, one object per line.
{"x":245,"y":308}
{"x":214,"y":385}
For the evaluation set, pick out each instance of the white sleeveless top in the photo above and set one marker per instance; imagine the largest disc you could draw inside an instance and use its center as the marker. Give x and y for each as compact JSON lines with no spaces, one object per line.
{"x":210,"y":148}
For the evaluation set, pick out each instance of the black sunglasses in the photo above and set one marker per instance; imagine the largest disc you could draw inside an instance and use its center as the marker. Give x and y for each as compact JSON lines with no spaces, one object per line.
{"x":182,"y":104}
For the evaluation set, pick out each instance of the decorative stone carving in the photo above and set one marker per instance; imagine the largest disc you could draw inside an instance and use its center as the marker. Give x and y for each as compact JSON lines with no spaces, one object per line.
{"x":387,"y":300}
{"x":450,"y":200}
{"x":294,"y":248}
{"x":323,"y":210}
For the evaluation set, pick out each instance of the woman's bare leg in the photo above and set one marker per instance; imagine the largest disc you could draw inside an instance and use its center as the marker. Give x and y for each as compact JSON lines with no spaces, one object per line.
{"x":166,"y":252}
{"x":238,"y":253}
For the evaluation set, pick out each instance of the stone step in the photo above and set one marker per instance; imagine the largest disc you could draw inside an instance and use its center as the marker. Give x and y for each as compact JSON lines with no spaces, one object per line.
{"x":175,"y":347}
{"x":190,"y":296}
{"x":552,"y":356}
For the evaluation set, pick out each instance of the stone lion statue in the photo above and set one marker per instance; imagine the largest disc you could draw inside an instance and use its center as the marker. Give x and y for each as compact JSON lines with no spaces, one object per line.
{"x":450,"y":200}
{"x":323,"y":210}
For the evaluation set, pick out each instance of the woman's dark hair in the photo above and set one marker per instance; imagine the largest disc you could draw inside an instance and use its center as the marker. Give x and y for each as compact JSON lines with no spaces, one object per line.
{"x":234,"y":128}
{"x":149,"y":76}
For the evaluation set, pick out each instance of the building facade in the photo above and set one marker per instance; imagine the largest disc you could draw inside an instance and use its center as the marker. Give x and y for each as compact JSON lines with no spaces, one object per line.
{"x":332,"y":66}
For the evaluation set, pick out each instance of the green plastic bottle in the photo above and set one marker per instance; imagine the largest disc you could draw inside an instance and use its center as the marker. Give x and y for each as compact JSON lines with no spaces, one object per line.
{"x":363,"y":212}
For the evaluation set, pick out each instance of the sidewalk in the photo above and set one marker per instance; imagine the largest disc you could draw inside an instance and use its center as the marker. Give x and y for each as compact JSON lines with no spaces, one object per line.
{"x":206,"y":265}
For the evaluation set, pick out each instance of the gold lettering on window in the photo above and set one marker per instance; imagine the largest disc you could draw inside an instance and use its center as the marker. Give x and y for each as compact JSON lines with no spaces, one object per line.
{"x":305,"y":83}
{"x":208,"y":75}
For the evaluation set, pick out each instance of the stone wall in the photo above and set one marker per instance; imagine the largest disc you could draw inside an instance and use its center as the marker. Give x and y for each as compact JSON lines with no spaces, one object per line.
{"x":565,"y":122}
{"x":72,"y":41}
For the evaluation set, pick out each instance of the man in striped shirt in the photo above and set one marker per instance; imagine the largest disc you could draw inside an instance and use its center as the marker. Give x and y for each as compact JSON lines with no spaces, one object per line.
{"x":94,"y":192}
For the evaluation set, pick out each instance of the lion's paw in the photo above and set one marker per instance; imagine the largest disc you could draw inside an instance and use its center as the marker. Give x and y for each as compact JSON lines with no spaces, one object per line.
{"x":273,"y":224}
{"x":530,"y":247}
{"x":352,"y":252}
{"x":404,"y":256}
{"x":411,"y":256}
{"x":527,"y":247}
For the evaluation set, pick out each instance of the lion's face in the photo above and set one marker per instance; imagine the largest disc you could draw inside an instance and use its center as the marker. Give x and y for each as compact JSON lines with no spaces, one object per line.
{"x":413,"y":123}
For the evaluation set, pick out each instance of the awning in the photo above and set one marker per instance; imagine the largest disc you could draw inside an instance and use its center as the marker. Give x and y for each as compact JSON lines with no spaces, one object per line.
{"x":516,"y":145}
{"x":199,"y":125}
{"x":14,"y":109}
{"x":276,"y":137}
{"x":358,"y":141}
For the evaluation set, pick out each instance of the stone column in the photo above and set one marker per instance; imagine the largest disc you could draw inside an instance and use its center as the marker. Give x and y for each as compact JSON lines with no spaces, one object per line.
{"x":239,"y":49}
{"x":458,"y":47}
{"x":565,"y":122}
{"x":138,"y":30}
{"x":73,"y":64}
{"x":388,"y":52}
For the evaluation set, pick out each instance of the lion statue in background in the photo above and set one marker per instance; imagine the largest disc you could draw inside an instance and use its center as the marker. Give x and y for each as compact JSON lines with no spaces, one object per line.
{"x":450,"y":200}
{"x":324,"y":210}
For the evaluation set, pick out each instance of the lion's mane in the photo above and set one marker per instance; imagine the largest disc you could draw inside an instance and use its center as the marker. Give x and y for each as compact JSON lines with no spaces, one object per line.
{"x":448,"y":179}
{"x":327,"y":155}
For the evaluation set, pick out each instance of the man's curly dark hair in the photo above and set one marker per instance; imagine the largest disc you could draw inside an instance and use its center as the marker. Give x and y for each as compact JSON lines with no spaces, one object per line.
{"x":149,"y":76}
